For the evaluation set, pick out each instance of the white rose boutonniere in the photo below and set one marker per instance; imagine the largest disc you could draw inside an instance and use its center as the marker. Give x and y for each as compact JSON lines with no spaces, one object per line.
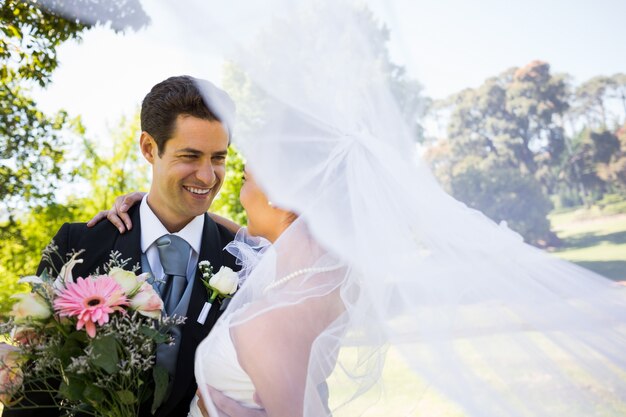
{"x":220,"y":285}
{"x":225,"y":282}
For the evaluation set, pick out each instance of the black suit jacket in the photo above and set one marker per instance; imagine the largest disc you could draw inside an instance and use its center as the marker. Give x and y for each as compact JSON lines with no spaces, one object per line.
{"x":98,"y":242}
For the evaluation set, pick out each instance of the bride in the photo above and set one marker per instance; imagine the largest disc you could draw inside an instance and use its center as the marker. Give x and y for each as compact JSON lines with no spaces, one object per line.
{"x":233,"y":355}
{"x":378,"y":255}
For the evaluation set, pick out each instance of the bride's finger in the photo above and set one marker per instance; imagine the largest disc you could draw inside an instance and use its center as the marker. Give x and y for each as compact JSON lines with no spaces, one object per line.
{"x":117,"y":222}
{"x":257,"y":399}
{"x":125,"y":218}
{"x":230,"y":407}
{"x":97,"y":218}
{"x":124,"y":203}
{"x":203,"y":410}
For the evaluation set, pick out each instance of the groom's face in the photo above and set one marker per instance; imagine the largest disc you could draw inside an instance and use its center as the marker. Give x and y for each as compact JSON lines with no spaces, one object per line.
{"x":189,"y":172}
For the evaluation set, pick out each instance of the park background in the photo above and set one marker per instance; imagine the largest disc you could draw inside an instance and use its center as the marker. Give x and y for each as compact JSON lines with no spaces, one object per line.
{"x":519,"y":108}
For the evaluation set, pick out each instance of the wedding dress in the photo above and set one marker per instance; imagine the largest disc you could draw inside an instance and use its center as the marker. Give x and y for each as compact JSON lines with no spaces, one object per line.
{"x":217,"y":361}
{"x":221,"y":369}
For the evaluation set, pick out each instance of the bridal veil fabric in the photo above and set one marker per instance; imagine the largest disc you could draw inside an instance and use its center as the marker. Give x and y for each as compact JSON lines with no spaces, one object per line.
{"x":396,"y":272}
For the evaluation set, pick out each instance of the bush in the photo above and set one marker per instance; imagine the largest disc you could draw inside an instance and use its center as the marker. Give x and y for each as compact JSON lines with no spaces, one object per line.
{"x":503,"y":193}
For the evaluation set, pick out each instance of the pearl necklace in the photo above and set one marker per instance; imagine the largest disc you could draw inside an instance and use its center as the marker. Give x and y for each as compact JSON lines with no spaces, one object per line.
{"x":296,"y":274}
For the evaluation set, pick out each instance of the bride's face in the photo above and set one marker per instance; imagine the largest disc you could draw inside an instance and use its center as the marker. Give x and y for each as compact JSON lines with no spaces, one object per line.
{"x":264,"y":219}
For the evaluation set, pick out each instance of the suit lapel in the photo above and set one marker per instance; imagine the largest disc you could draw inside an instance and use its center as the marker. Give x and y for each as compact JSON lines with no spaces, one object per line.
{"x":129,"y":243}
{"x":211,"y":251}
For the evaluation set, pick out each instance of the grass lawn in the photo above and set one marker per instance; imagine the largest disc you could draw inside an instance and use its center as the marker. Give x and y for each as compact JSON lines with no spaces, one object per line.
{"x":593,"y":239}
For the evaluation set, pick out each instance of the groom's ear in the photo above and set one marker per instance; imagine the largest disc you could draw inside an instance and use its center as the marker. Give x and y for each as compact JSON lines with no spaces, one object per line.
{"x":148,"y":146}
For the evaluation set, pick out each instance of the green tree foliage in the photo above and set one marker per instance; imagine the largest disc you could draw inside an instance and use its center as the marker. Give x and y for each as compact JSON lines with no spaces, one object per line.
{"x":513,"y":126}
{"x":227,"y":202}
{"x":612,"y":169}
{"x":24,"y":239}
{"x":98,"y":179}
{"x":115,"y":170}
{"x":590,"y":150}
{"x":600,"y":102}
{"x":504,"y":195}
{"x":31,"y":144}
{"x":543,"y":139}
{"x":592,"y":164}
{"x":514,"y":116}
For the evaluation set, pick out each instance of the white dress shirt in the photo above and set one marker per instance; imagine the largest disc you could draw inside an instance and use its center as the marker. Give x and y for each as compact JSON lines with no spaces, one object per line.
{"x":152,"y":229}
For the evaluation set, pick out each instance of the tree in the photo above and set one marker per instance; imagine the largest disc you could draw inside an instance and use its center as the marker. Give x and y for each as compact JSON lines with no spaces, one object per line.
{"x":501,"y":193}
{"x":227,"y":202}
{"x":590,"y":151}
{"x":121,"y":171}
{"x":591,"y":165}
{"x":98,"y":178}
{"x":31,"y":144}
{"x":613,"y":170}
{"x":513,"y":121}
{"x":601,"y":102}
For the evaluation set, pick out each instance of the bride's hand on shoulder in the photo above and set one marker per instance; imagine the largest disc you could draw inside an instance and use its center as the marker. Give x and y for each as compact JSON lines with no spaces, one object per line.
{"x":118,"y":214}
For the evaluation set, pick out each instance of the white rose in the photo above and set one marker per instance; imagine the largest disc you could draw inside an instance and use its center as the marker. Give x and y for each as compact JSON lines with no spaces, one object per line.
{"x":127,"y":280}
{"x":225,"y":281}
{"x":30,"y":305}
{"x":147,"y":302}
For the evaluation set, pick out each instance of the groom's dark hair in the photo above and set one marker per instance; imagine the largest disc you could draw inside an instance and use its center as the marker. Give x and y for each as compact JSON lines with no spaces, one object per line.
{"x":187,"y":96}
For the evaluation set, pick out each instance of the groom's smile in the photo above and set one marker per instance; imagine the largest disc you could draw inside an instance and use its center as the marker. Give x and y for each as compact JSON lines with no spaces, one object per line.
{"x":198,"y":191}
{"x":189,"y":172}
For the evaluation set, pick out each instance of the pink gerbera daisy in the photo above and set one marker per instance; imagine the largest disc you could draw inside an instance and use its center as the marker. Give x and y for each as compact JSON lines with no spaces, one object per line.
{"x":91,"y":300}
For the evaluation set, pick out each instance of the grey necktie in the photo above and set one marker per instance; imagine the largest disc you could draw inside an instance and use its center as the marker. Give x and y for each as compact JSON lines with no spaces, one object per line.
{"x":174,"y":255}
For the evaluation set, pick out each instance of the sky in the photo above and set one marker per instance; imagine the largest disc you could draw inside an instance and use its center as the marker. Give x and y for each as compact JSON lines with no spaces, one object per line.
{"x":447,"y":45}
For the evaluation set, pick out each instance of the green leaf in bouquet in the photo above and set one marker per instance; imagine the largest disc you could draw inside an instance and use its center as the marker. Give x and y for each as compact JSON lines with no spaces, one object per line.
{"x":93,"y":394}
{"x":105,"y":354}
{"x":80,"y":337}
{"x":82,"y":409}
{"x":71,"y":348}
{"x":126,"y":397}
{"x":72,"y":389}
{"x":145,"y":390}
{"x":154,"y":334}
{"x":161,"y":378}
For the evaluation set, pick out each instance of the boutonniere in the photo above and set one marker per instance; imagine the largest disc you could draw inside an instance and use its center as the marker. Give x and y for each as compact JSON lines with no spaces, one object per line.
{"x":219,"y":286}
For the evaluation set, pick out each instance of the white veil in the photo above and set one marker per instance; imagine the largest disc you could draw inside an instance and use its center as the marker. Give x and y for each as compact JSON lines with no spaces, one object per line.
{"x":497,"y":327}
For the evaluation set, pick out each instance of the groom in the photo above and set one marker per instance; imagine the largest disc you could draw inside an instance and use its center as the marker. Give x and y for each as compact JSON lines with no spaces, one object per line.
{"x":186,"y":129}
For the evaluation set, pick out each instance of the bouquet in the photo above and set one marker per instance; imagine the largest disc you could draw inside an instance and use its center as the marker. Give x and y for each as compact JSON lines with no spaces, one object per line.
{"x":87,"y":344}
